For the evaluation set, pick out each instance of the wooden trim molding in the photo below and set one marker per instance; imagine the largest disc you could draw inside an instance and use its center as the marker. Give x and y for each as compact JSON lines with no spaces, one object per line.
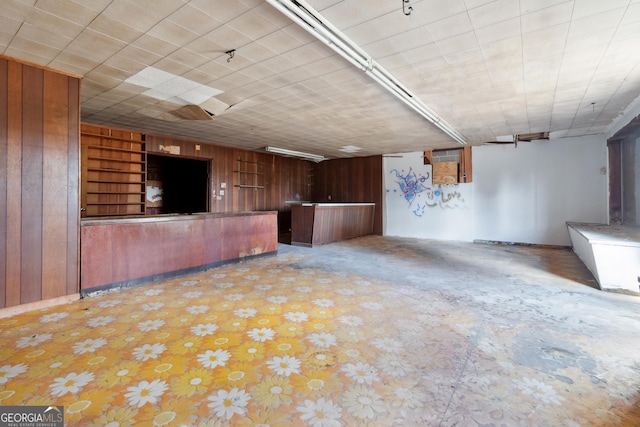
{"x":37,"y":305}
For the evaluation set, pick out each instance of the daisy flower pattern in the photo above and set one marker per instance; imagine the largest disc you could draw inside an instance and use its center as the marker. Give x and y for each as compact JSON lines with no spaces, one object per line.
{"x":323,"y":339}
{"x":95,"y":322}
{"x":211,"y":359}
{"x":363,"y":402}
{"x":202,"y":330}
{"x":284,"y":366}
{"x":146,"y":392}
{"x":89,"y":345}
{"x":8,"y":371}
{"x":261,"y":334}
{"x":53,"y":317}
{"x":71,"y":383}
{"x":225,"y":404}
{"x":148,"y":351}
{"x":321,"y":413}
{"x":276,"y":342}
{"x":361,"y":373}
{"x":296,"y":316}
{"x":150,"y":325}
{"x":33,"y":340}
{"x":323,"y":302}
{"x":245,"y":313}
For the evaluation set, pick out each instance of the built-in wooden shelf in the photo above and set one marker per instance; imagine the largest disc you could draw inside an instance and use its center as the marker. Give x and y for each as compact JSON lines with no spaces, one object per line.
{"x":113,"y":166}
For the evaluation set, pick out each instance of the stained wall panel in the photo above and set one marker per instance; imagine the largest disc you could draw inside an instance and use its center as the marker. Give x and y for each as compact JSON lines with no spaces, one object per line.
{"x":39,"y":218}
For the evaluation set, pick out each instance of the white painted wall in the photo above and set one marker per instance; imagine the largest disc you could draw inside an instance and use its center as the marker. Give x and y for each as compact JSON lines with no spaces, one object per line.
{"x":637,"y":181}
{"x":527,"y":194}
{"x":436,"y":212}
{"x":524,"y":194}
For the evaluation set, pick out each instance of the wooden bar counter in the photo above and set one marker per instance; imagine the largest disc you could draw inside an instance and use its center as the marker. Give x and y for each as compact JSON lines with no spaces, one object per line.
{"x":321,"y":223}
{"x":126,"y":251}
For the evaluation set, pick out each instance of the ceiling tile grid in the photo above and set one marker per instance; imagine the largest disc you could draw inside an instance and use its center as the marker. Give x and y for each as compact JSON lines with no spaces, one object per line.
{"x":488,"y":67}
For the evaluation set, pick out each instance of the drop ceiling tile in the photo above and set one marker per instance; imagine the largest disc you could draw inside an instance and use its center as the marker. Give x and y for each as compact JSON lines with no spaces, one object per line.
{"x":171,"y":32}
{"x":364,"y":33}
{"x":227,"y":38}
{"x":380,"y":49}
{"x":72,"y":11}
{"x":132,"y":59}
{"x":546,"y":42}
{"x":119,"y":30}
{"x":598,"y":40}
{"x":28,"y":50}
{"x":429,"y":11}
{"x":94,"y":45}
{"x":632,"y":14}
{"x":460,"y":43}
{"x":528,"y":6}
{"x":155,"y":45}
{"x":253,"y":53}
{"x":546,"y":18}
{"x":17,"y":10}
{"x":52,"y":24}
{"x":189,"y":16}
{"x":305,"y":54}
{"x":499,"y":31}
{"x":585,"y":8}
{"x":81,"y":62}
{"x":124,"y":10}
{"x":450,"y":27}
{"x":44,"y":35}
{"x":174,"y":67}
{"x":281,"y":41}
{"x":255,"y":23}
{"x":494,"y":12}
{"x":608,"y":20}
{"x":412,"y":39}
{"x":221,"y":10}
{"x":345,"y":14}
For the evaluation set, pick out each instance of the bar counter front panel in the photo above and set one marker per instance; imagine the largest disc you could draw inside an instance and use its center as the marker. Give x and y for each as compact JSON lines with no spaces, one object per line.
{"x":127,"y":251}
{"x":322,"y":223}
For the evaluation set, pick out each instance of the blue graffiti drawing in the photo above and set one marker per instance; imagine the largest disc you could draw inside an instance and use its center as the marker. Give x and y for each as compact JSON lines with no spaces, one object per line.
{"x":411,"y":184}
{"x":419,"y":210}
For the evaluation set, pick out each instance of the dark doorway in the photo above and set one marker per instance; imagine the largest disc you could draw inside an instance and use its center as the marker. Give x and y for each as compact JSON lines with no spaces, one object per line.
{"x":182,"y":182}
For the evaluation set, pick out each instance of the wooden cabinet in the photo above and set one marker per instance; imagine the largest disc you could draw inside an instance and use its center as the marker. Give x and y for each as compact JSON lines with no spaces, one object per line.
{"x":113,"y":172}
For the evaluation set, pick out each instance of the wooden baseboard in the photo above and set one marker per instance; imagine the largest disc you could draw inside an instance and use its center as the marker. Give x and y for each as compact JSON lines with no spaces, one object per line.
{"x":37,"y":305}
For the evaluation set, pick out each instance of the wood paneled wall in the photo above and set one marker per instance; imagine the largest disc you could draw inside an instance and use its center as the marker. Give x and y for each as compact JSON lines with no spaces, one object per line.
{"x":285,"y":179}
{"x":353,"y":180}
{"x":39,"y":174}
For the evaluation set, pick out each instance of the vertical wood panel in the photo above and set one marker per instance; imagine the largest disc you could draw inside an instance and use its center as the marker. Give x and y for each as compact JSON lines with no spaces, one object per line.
{"x":36,"y":107}
{"x":54,"y":185}
{"x":73,"y":188}
{"x":353,"y":180}
{"x":3,"y":179}
{"x":32,"y":175}
{"x":14,"y":183}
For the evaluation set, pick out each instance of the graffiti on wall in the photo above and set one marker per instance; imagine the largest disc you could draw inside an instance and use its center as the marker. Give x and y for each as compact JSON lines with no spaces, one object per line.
{"x":411,"y":184}
{"x":416,"y":190}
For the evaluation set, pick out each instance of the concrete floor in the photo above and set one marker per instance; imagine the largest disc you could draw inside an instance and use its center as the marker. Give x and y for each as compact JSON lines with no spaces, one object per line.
{"x":392,"y":331}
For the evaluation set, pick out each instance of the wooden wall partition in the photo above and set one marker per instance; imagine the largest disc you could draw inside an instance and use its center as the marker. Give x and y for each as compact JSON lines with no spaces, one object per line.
{"x":281,"y":179}
{"x":353,"y":180}
{"x":131,"y":251}
{"x":39,"y":189}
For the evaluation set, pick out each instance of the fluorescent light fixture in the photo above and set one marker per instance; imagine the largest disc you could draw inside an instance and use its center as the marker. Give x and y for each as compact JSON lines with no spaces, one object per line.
{"x":308,"y":18}
{"x":313,"y":157}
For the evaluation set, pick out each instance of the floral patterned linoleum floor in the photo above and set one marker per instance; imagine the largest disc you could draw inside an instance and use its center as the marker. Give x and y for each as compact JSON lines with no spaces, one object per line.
{"x":301,"y":339}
